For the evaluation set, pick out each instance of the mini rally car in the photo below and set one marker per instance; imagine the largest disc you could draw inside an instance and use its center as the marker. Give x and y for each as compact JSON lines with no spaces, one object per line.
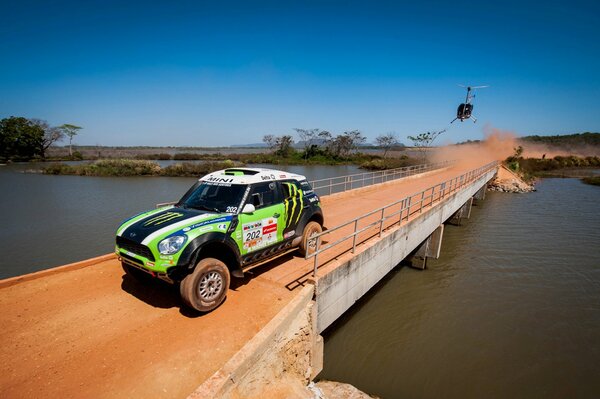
{"x":229,"y":221}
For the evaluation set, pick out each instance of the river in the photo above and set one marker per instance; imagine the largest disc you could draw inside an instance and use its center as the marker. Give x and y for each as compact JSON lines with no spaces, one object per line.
{"x":510,"y":310}
{"x":49,"y":221}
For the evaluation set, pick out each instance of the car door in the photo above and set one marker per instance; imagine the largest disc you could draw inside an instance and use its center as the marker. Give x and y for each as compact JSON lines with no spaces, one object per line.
{"x":263,"y":227}
{"x":293,"y":204}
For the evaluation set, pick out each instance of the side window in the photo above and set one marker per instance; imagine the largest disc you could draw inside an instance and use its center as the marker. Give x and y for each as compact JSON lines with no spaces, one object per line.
{"x":305,"y":186}
{"x":264,"y":194}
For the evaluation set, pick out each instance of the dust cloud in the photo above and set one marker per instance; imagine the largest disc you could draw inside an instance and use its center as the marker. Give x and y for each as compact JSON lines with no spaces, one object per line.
{"x":499,"y":144}
{"x":496,"y":146}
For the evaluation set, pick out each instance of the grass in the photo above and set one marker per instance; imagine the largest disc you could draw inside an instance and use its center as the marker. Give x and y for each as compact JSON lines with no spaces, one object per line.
{"x":530,"y":168}
{"x":593,"y":180}
{"x":136,"y":167}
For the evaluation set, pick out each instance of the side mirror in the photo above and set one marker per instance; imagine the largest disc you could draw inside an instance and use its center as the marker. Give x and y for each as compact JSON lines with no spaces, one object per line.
{"x":248,"y":208}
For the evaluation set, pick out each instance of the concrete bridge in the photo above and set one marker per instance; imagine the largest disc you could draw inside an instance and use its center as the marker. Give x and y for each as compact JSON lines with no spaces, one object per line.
{"x":86,"y":330}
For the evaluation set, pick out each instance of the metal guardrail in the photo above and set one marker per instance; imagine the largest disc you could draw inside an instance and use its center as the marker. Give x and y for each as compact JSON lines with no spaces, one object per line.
{"x":409,"y":206}
{"x":339,"y":184}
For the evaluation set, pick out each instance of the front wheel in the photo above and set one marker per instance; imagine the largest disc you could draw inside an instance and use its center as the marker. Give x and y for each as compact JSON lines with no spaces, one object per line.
{"x":206,"y":288}
{"x":308,"y":246}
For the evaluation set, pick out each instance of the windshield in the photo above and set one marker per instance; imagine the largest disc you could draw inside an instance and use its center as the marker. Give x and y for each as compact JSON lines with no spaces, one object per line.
{"x":213,"y":197}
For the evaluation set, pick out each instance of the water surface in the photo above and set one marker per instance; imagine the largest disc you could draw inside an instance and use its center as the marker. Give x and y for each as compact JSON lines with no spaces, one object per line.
{"x":510,"y":310}
{"x":52,"y":220}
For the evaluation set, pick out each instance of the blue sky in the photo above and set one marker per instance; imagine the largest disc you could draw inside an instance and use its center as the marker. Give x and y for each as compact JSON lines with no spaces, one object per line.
{"x":221,"y":73}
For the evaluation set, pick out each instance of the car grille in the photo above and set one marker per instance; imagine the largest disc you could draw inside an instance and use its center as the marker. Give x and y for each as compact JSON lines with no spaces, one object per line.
{"x":135,"y":248}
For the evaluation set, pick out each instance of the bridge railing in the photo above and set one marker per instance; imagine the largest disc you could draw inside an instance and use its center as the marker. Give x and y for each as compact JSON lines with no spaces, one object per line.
{"x":373,"y":223}
{"x":340,"y":184}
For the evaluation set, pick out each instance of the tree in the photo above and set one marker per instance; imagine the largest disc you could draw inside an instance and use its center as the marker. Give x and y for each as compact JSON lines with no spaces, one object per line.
{"x":284,"y":145}
{"x":269,"y":140}
{"x":386,"y":141}
{"x":344,"y":143}
{"x":52,"y":134}
{"x":70,"y":131}
{"x":308,"y":138}
{"x":20,"y":139}
{"x":424,"y":141}
{"x":279,"y":145}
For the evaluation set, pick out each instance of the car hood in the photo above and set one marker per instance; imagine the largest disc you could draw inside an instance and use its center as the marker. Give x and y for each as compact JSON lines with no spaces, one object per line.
{"x":161,"y":222}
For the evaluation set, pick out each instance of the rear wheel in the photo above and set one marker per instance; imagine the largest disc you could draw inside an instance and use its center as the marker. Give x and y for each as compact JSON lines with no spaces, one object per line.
{"x":206,"y":288}
{"x":308,"y":246}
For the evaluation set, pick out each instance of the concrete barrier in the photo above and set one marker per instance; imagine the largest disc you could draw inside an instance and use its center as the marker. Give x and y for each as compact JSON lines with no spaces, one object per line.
{"x":338,"y":290}
{"x":287,"y":348}
{"x":55,"y":270}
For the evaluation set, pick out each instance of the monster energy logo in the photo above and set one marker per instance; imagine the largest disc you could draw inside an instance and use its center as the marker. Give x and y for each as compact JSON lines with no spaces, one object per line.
{"x":295,"y":202}
{"x":164,"y":218}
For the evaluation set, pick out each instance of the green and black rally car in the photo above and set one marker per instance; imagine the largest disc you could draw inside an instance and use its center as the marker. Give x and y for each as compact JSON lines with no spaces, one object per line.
{"x":228,"y":221}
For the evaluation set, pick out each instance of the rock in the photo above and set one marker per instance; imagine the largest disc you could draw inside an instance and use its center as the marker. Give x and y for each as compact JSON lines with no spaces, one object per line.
{"x":338,"y":390}
{"x":509,"y":182}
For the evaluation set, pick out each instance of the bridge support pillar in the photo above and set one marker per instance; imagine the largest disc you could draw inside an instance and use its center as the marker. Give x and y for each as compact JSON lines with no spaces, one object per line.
{"x":430,"y":248}
{"x":480,"y":195}
{"x":463,"y":212}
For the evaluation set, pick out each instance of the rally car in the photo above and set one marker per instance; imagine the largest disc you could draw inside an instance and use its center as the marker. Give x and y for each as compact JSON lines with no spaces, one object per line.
{"x":227,"y":222}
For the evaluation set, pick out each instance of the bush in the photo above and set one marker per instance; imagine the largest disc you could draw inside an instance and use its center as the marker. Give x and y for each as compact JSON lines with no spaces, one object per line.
{"x":594,"y":180}
{"x":107,"y":167}
{"x":389,"y":163}
{"x":189,"y":169}
{"x":161,"y":156}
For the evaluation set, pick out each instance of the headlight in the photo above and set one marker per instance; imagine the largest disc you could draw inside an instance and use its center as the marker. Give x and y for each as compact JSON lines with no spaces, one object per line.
{"x":170,"y":245}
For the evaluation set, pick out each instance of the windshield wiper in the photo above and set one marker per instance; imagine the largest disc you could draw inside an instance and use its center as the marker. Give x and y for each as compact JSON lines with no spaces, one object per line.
{"x":205,"y":208}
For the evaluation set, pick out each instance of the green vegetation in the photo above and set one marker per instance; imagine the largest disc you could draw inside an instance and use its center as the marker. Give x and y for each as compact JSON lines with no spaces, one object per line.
{"x":425,"y":140}
{"x":390,"y":163}
{"x":132,"y":167}
{"x":23,"y":139}
{"x":531,"y":168}
{"x":593,"y":180}
{"x":578,"y":139}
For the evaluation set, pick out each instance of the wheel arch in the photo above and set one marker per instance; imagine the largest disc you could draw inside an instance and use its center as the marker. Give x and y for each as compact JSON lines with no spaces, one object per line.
{"x":211,"y":245}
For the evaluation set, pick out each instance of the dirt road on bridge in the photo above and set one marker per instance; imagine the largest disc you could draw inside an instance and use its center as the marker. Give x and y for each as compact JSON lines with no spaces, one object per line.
{"x":92,"y":332}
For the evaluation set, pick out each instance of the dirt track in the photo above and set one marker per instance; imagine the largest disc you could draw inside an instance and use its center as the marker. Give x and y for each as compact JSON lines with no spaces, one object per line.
{"x":94,"y":333}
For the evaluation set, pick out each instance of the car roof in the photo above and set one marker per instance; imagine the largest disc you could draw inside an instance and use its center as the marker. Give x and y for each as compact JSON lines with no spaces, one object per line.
{"x":249,"y":175}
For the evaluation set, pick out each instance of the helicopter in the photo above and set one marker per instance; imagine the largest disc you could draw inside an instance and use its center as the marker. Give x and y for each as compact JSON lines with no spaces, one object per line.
{"x":465,"y":109}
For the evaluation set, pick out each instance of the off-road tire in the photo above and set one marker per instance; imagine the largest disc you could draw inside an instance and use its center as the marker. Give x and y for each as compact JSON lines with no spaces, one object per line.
{"x":134,"y":273}
{"x":206,"y":288}
{"x":311,"y":229}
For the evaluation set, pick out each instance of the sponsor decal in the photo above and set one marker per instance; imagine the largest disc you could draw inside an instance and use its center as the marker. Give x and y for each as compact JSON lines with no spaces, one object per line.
{"x":313,"y":199}
{"x":269,"y":229}
{"x":219,"y":180}
{"x":222,"y":226}
{"x":149,"y":264}
{"x":204,"y":229}
{"x":163,"y":218}
{"x":259,"y":234}
{"x":293,"y":205}
{"x":207,"y":222}
{"x":289,"y":234}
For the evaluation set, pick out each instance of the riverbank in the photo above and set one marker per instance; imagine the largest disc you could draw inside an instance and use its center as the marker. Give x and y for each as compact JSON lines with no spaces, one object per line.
{"x":594,"y":180}
{"x":508,"y":181}
{"x":132,"y":167}
{"x":139,"y":167}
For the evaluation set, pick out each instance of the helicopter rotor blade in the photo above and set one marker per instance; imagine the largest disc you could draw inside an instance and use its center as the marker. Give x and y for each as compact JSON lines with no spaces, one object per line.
{"x":479,"y":87}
